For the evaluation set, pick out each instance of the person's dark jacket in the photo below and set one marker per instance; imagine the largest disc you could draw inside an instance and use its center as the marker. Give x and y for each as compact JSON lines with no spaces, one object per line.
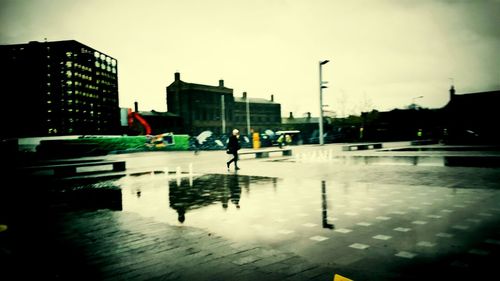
{"x":233,"y":145}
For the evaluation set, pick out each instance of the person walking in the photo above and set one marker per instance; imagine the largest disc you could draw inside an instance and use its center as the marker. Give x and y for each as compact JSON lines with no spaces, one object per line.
{"x":232,"y":148}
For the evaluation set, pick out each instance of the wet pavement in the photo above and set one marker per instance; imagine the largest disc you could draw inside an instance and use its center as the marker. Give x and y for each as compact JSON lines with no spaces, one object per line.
{"x":318,"y":213}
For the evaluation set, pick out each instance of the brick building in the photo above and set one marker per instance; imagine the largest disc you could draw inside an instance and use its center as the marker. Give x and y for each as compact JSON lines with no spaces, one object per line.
{"x":214,"y":108}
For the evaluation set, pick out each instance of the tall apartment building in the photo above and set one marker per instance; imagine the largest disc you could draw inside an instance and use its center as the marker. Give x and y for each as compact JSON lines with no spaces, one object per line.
{"x":58,"y":88}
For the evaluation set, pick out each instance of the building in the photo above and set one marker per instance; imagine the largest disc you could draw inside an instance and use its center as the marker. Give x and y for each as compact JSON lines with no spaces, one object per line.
{"x":201,"y":107}
{"x":214,"y":108}
{"x":472,"y":117}
{"x":58,"y":88}
{"x":308,"y":127}
{"x":257,"y":113}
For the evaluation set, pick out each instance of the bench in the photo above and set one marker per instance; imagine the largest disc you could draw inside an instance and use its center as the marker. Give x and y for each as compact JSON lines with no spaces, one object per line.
{"x":361,"y":146}
{"x":265,"y":153}
{"x":70,"y":169}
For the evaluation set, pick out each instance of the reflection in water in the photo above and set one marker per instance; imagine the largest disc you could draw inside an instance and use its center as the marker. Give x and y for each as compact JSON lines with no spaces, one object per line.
{"x":325,"y":207}
{"x":207,"y":190}
{"x":89,"y":196}
{"x":433,"y":161}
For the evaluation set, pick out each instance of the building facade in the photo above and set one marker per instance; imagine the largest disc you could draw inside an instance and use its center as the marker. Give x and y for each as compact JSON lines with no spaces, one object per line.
{"x":201,"y":107}
{"x":58,"y":88}
{"x":258,"y":114}
{"x":214,"y":108}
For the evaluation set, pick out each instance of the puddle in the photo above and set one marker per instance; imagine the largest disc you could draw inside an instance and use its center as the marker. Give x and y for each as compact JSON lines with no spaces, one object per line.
{"x":272,"y":210}
{"x":435,"y":161}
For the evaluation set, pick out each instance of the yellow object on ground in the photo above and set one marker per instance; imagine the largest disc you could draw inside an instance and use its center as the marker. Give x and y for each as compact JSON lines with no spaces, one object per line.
{"x":341,"y":278}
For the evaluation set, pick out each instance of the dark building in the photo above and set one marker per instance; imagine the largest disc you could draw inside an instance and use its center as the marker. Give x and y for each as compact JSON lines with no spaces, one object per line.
{"x":58,"y":88}
{"x":472,"y":117}
{"x":308,"y":127}
{"x":263,"y":114}
{"x":201,"y":107}
{"x":214,"y":108}
{"x":162,"y":122}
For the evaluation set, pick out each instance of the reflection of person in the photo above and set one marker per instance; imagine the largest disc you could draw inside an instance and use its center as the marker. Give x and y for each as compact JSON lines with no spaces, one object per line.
{"x":288,"y":139}
{"x":232,"y":148}
{"x":234,"y":190}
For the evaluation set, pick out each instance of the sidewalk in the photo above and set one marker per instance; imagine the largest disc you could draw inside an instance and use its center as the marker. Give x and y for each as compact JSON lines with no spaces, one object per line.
{"x":299,"y":220}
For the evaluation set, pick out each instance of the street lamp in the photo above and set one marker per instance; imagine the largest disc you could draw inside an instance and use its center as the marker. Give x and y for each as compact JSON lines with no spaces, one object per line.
{"x":321,"y":86}
{"x":413,"y":104}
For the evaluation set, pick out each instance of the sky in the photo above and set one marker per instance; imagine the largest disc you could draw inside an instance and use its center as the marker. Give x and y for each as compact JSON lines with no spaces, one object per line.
{"x":383,"y":54}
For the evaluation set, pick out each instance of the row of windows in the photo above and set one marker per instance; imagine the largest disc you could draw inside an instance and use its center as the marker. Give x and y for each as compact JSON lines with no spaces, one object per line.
{"x":84,"y":112}
{"x":104,"y":58}
{"x":112,"y":77}
{"x":70,"y":74}
{"x":262,"y":119}
{"x":70,"y":64}
{"x":104,"y":67}
{"x":71,"y":129}
{"x":105,"y":82}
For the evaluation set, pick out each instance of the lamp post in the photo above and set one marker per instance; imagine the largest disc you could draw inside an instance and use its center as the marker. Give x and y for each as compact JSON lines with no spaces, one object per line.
{"x":321,"y":82}
{"x":413,"y":104}
{"x":223,"y":114}
{"x":248,"y":116}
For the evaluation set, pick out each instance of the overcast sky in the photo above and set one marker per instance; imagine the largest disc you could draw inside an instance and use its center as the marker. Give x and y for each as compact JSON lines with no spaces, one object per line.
{"x":383,"y":53}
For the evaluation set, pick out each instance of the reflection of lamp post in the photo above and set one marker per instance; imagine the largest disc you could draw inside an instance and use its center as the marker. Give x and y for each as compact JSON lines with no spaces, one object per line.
{"x":321,"y":142}
{"x":325,"y":207}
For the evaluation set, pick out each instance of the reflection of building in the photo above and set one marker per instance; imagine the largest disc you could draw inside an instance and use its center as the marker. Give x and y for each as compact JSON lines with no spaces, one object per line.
{"x":209,"y":189}
{"x":58,"y":88}
{"x":214,"y":108}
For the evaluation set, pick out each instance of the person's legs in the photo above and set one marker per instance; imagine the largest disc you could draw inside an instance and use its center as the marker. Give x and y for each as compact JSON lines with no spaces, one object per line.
{"x":235,"y":158}
{"x":231,"y":161}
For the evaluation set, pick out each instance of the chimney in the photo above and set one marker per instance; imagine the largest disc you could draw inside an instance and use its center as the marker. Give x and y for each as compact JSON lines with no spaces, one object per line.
{"x":136,"y":106}
{"x":177,"y":76}
{"x":221,"y":83}
{"x":244,"y":95}
{"x":272,"y":97}
{"x":308,"y":114}
{"x":291,"y":115}
{"x":452,"y":92}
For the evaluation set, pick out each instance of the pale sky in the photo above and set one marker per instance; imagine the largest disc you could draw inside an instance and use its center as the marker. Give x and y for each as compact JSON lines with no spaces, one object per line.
{"x":383,"y":53}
